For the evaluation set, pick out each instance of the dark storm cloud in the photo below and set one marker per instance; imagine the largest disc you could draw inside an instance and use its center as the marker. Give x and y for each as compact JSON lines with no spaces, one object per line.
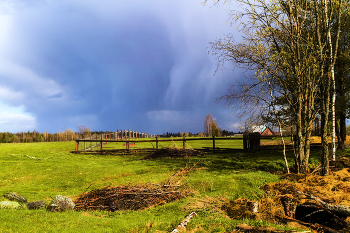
{"x":139,"y":66}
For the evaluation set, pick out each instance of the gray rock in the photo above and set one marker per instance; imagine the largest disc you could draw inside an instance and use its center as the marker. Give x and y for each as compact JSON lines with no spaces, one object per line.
{"x":61,"y":203}
{"x":11,"y":205}
{"x":13,"y":196}
{"x":34,"y":205}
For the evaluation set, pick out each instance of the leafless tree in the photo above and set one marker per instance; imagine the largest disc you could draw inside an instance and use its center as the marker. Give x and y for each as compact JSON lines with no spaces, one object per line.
{"x":288,"y":45}
{"x":84,"y":131}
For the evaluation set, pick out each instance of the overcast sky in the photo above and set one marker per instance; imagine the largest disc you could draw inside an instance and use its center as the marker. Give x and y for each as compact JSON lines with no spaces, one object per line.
{"x":131,"y":64}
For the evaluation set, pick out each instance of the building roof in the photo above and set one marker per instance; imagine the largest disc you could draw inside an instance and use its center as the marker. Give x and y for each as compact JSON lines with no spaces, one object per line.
{"x":259,"y":128}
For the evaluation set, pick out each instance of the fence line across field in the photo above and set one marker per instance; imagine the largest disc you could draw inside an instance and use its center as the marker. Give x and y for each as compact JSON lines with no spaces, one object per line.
{"x":249,"y":141}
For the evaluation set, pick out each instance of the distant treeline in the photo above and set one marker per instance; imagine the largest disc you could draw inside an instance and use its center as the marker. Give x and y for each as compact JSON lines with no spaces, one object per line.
{"x":34,"y":136}
{"x":228,"y":133}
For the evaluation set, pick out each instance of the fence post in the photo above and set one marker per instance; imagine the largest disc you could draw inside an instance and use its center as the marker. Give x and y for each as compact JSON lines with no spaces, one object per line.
{"x":245,"y":141}
{"x":184,"y":143}
{"x":76,"y":145}
{"x":213,"y":143}
{"x":157,"y":143}
{"x":121,"y":134}
{"x":101,"y":141}
{"x":129,"y":134}
{"x":84,"y":144}
{"x":254,"y":141}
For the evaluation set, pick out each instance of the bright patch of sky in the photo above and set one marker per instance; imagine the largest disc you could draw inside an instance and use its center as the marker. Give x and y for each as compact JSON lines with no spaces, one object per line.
{"x":15,"y":119}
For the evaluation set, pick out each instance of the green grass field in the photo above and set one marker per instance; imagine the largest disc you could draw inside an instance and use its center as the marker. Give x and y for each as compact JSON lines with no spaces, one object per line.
{"x":40,"y":171}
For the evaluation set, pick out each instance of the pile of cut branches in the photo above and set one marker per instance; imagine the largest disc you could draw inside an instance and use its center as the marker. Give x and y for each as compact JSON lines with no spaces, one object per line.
{"x":173,"y":153}
{"x":128,"y":198}
{"x":135,"y":197}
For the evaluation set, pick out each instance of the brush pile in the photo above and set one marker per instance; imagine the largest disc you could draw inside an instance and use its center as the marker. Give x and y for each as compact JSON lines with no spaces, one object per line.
{"x":135,"y":197}
{"x":128,"y":198}
{"x":173,"y":153}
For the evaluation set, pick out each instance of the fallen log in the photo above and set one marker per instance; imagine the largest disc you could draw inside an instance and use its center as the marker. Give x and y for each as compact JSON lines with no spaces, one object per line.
{"x":335,"y":209}
{"x":182,"y":225}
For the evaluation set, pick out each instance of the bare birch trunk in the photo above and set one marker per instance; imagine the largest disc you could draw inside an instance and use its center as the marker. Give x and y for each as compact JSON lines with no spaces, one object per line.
{"x":324,"y":123}
{"x":182,"y":225}
{"x":332,"y":77}
{"x":280,"y":129}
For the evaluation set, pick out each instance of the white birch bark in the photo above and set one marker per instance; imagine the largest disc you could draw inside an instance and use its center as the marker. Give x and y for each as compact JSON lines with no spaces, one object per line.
{"x":332,"y":77}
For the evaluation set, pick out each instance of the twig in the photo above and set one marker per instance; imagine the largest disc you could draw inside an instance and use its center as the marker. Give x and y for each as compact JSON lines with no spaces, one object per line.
{"x":315,"y":212}
{"x":88,"y":187}
{"x":316,"y":169}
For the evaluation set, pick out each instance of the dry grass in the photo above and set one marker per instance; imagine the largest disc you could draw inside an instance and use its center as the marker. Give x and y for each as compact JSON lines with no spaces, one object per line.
{"x":314,"y":139}
{"x":334,"y":189}
{"x":208,"y":204}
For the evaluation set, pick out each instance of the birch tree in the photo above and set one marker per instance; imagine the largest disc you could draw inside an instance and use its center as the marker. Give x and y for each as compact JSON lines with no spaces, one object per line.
{"x":342,"y":76}
{"x":287,"y":44}
{"x":208,"y":123}
{"x":210,"y":127}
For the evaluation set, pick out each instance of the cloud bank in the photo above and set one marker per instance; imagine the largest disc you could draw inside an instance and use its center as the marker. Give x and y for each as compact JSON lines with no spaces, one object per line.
{"x":142,"y":65}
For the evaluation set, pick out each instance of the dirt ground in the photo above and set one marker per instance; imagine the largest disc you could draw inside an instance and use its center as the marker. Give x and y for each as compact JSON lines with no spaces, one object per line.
{"x":314,"y":139}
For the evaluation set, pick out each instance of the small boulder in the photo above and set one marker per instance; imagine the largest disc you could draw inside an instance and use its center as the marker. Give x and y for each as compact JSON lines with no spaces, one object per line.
{"x":34,"y":205}
{"x":13,"y":196}
{"x":11,"y":205}
{"x":61,"y":203}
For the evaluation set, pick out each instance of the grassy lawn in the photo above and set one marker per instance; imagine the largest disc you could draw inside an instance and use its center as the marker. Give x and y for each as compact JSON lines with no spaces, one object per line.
{"x":40,"y":171}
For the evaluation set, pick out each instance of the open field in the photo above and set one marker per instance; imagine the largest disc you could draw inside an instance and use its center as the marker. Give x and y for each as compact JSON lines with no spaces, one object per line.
{"x":40,"y":171}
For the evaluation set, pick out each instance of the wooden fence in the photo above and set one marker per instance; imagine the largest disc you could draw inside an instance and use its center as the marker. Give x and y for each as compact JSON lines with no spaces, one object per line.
{"x":251,"y":142}
{"x":100,"y":141}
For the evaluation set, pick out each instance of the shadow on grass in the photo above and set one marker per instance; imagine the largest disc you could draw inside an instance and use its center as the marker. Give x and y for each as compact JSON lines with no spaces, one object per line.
{"x":269,"y":161}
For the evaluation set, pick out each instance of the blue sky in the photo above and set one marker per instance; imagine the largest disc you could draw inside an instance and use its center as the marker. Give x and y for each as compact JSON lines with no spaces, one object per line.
{"x":139,"y":65}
